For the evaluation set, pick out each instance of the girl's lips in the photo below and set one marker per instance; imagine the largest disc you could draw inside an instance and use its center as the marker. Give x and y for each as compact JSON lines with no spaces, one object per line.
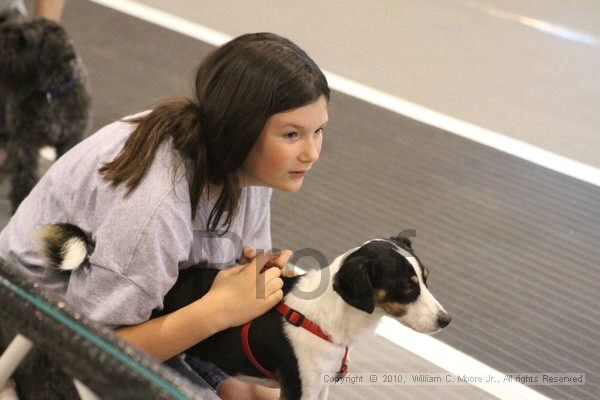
{"x":298,"y":173}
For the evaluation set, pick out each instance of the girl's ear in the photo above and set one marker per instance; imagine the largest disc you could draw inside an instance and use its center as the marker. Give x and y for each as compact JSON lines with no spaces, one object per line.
{"x":353,"y":284}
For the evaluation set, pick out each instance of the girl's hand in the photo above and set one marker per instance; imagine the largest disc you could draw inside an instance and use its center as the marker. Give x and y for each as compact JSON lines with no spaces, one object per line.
{"x":279,"y":260}
{"x":248,"y":254}
{"x":241,"y":293}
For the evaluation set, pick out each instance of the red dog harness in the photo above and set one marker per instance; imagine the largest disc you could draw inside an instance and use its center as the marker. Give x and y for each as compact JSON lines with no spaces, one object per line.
{"x":297,"y":319}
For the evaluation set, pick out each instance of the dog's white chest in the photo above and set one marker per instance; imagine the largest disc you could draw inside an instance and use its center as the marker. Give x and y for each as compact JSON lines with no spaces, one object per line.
{"x":316,"y":357}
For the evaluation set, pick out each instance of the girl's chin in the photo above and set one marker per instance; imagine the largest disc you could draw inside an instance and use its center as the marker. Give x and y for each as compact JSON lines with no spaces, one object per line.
{"x":290,"y":187}
{"x":285,"y":185}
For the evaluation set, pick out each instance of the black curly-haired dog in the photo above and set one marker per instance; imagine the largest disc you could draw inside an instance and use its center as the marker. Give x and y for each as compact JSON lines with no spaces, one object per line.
{"x":44,"y":100}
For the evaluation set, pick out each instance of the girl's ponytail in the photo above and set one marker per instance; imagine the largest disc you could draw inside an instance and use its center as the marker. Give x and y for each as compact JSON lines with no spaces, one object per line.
{"x":179,"y":120}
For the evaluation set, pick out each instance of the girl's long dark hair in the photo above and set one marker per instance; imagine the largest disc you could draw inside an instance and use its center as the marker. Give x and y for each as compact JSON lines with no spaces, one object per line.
{"x":238,"y":87}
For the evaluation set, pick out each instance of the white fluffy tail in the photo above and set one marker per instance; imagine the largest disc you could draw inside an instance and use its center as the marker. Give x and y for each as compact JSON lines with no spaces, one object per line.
{"x":64,"y":246}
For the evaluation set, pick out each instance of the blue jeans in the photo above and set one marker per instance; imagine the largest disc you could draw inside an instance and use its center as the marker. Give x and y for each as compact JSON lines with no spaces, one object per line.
{"x":201,"y":373}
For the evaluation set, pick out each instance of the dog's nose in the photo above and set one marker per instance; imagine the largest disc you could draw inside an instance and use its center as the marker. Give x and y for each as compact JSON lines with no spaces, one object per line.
{"x":443,"y":319}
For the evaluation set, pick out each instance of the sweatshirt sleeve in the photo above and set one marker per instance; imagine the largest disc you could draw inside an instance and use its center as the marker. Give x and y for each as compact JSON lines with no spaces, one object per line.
{"x":258,"y":230}
{"x":134,"y":263}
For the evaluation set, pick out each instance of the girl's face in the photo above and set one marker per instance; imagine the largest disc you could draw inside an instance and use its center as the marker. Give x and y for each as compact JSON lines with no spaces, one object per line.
{"x":287,"y":148}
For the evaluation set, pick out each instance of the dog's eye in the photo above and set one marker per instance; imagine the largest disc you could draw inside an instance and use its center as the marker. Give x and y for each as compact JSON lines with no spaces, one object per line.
{"x":410,"y":293}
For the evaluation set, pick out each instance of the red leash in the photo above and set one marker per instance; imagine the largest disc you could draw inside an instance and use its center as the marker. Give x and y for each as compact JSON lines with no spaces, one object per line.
{"x":254,"y":361}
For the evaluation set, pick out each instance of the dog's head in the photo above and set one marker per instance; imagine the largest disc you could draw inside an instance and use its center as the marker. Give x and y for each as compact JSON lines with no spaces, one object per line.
{"x":386,"y":274}
{"x":33,"y":51}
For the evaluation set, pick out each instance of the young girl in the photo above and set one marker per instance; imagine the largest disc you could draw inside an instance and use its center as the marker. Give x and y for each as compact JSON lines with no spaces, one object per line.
{"x":189,"y":181}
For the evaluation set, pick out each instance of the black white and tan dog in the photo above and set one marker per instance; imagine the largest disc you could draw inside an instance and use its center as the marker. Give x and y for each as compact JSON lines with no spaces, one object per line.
{"x":305,"y":337}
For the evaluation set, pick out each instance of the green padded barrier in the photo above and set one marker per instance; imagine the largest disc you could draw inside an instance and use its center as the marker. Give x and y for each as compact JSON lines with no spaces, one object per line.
{"x":68,"y":345}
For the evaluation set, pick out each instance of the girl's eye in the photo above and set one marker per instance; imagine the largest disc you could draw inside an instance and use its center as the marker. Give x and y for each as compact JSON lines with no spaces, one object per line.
{"x":291,"y":135}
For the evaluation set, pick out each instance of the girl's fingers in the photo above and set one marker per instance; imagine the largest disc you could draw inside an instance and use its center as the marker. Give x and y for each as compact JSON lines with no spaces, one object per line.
{"x":281,"y":259}
{"x":252,"y":267}
{"x":275,"y":297}
{"x":290,"y":271}
{"x":272,"y":273}
{"x":260,"y":261}
{"x":249,"y":252}
{"x":234,"y":269}
{"x":274,"y":285}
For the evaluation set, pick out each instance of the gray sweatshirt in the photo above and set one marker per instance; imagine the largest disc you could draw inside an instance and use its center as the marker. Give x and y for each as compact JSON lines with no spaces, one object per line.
{"x":141,"y":241}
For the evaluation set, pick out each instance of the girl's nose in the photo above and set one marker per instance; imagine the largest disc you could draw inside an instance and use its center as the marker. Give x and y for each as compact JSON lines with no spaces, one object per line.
{"x":311,"y":150}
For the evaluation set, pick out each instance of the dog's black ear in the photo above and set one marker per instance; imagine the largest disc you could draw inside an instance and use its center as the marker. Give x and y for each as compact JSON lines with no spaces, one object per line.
{"x":402,"y":240}
{"x":353,"y":283}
